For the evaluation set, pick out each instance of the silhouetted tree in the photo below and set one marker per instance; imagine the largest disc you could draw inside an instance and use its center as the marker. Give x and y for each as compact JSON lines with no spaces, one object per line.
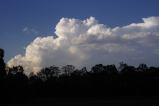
{"x":110,"y":69}
{"x":142,"y":67}
{"x":81,"y":72}
{"x":2,"y":64}
{"x":55,"y":70}
{"x":68,"y":69}
{"x":97,"y":68}
{"x":44,"y":74}
{"x":128,"y":70}
{"x":48,"y":72}
{"x":122,"y":65}
{"x":17,"y":73}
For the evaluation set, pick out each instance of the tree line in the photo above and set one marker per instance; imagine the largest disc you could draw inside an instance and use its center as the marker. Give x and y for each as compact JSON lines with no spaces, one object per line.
{"x":67,"y":81}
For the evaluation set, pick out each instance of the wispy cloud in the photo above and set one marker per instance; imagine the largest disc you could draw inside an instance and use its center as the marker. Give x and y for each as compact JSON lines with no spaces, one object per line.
{"x":30,"y":30}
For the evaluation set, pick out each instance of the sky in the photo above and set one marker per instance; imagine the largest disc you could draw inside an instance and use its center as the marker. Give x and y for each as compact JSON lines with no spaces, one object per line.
{"x":22,"y":21}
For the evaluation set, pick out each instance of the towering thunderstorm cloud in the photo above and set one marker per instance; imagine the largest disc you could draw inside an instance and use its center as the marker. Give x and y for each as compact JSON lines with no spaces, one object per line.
{"x":87,"y":42}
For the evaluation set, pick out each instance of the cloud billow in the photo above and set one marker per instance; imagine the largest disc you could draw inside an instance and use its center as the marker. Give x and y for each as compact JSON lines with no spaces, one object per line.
{"x":87,"y":42}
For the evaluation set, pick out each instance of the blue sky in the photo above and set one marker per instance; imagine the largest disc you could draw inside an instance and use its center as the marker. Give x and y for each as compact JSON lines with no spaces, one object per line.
{"x":41,"y":16}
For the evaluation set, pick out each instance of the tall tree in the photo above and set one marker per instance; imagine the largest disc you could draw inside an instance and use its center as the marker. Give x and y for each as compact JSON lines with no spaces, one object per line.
{"x":2,"y":64}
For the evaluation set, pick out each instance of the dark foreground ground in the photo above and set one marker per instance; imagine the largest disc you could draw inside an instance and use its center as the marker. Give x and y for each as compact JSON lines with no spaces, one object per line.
{"x":115,"y":101}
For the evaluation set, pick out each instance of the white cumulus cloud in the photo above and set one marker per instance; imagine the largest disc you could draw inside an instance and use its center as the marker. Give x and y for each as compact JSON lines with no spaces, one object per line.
{"x":87,"y":42}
